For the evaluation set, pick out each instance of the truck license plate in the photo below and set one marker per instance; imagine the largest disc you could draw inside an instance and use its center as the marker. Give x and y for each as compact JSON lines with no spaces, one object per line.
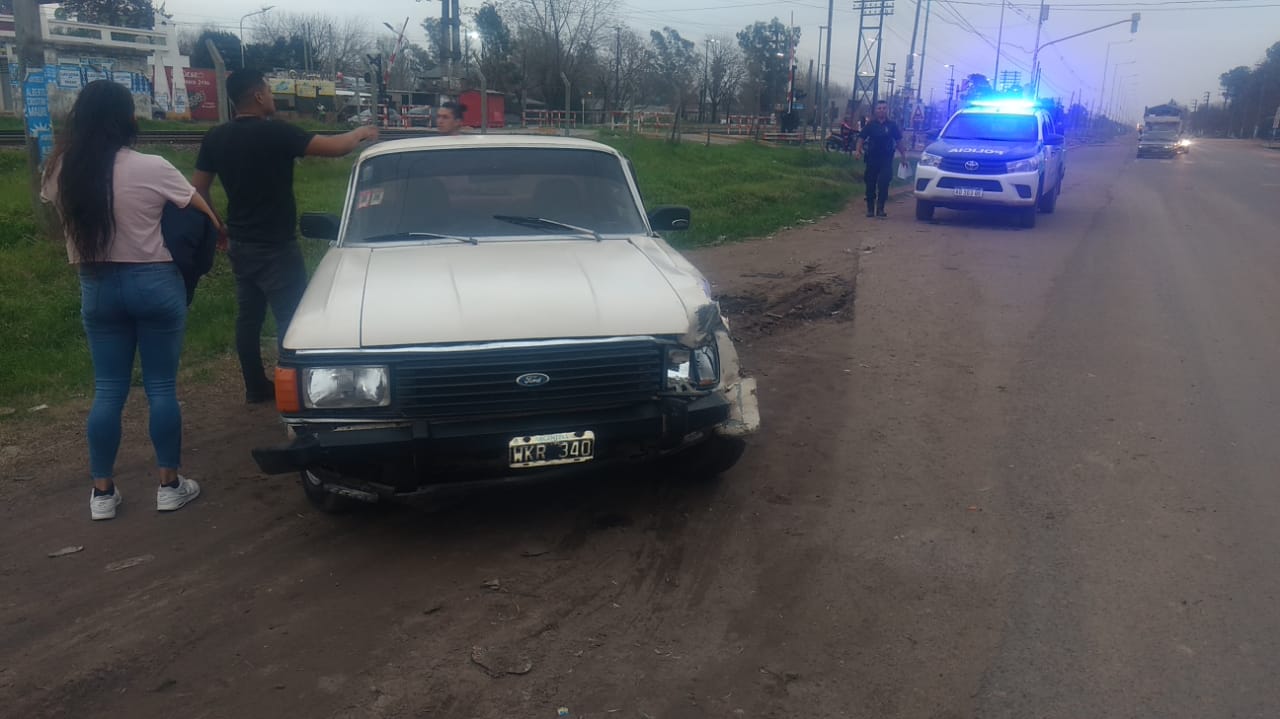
{"x":968,"y":191}
{"x":544,"y":450}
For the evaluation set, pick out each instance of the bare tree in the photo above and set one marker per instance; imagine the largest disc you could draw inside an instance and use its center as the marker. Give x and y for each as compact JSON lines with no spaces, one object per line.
{"x":624,"y":67}
{"x":676,"y":63}
{"x":727,"y":73}
{"x":330,"y":45}
{"x":558,"y":37}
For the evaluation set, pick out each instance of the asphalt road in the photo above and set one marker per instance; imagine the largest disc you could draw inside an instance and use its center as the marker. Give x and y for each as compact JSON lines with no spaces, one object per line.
{"x":1033,"y":475}
{"x":1132,"y":455}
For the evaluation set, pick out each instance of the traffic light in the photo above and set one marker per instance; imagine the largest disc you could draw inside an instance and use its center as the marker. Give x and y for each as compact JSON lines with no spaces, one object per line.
{"x":1133,"y":22}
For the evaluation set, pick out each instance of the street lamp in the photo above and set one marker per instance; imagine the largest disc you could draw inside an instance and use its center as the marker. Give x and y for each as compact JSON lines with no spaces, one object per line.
{"x":1106,"y":64}
{"x":1117,"y":97}
{"x":951,"y":85}
{"x":1114,"y":69}
{"x":242,"y":19}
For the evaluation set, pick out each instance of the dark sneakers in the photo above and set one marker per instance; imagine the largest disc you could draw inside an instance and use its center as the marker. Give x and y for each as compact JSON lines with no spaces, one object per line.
{"x":881,"y":213}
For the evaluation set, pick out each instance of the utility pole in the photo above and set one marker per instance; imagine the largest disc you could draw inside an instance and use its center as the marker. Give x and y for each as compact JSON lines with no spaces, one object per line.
{"x":220,"y":70}
{"x":1035,"y":56}
{"x":818,"y":105}
{"x":706,"y":64}
{"x":617,"y":67}
{"x":866,"y":81}
{"x":826,"y":64}
{"x":911,"y":56}
{"x":999,"y":39}
{"x":568,"y":109}
{"x":35,"y":100}
{"x":924,"y":45}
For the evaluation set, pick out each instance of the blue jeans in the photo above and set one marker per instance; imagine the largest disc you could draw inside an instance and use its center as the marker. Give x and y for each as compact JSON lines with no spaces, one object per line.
{"x":133,"y":309}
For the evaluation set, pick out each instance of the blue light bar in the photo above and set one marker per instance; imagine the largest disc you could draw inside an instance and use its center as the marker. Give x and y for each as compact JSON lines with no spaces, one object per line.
{"x":1005,"y":104}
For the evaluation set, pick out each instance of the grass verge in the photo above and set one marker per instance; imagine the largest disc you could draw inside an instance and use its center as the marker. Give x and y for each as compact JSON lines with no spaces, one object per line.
{"x":739,"y":191}
{"x":735,"y":192}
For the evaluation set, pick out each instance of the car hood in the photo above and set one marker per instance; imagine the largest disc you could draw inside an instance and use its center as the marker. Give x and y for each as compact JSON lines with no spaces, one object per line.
{"x":495,"y":291}
{"x":983,"y":150}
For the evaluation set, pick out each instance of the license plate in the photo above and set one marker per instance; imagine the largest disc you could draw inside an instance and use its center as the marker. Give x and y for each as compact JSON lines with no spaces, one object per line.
{"x":545,"y":450}
{"x":967,"y":192}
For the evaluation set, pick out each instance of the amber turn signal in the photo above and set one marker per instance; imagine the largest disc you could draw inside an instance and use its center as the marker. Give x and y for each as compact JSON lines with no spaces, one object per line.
{"x":288,"y":400}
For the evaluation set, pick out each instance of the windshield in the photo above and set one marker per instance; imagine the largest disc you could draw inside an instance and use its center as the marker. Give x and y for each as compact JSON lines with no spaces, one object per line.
{"x":1160,"y":136}
{"x":992,"y":126}
{"x":458,"y":193}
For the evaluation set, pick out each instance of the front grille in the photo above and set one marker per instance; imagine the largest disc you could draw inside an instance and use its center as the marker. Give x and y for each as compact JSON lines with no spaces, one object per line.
{"x":949,"y":183}
{"x":985,"y":167}
{"x":483,"y":382}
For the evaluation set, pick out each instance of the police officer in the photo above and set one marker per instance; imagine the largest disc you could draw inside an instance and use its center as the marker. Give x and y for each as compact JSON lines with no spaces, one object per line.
{"x":878,"y":139}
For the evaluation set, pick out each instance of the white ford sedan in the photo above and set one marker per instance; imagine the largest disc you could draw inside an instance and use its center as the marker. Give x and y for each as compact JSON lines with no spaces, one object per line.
{"x":500,"y":309}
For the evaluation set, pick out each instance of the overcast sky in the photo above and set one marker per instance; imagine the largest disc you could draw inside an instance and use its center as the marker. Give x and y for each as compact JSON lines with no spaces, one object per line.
{"x":1180,"y":49}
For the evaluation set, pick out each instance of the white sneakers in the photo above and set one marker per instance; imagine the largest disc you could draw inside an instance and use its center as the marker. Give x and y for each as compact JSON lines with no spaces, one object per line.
{"x":104,"y":507}
{"x":171,"y":498}
{"x":167,"y":499}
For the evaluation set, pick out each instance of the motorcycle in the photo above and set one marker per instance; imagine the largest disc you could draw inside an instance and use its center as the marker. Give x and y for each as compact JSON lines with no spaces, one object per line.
{"x":841,"y":141}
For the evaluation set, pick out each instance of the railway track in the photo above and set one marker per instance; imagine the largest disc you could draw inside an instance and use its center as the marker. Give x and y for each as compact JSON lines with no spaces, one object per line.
{"x":14,"y":138}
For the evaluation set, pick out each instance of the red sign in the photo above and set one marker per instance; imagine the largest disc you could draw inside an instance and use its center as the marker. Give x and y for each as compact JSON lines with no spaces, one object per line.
{"x":202,"y":92}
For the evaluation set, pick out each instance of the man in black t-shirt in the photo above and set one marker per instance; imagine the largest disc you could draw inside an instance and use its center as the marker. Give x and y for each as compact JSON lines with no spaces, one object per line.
{"x":253,"y":156}
{"x":879,"y":139}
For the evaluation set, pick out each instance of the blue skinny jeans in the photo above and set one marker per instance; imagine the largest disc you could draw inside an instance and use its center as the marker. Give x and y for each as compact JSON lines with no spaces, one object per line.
{"x":132,"y":309}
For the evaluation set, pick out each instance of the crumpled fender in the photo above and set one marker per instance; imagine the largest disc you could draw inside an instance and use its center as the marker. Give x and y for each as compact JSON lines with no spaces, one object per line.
{"x":744,"y":413}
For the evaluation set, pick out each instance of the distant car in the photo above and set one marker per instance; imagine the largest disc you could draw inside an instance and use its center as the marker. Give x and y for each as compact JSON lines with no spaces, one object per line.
{"x":421,"y":116}
{"x":1156,"y":143}
{"x":498,"y":310}
{"x":999,"y":154}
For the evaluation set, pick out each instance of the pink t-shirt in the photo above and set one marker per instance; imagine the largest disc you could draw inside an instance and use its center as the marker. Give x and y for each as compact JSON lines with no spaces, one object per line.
{"x":142,"y":184}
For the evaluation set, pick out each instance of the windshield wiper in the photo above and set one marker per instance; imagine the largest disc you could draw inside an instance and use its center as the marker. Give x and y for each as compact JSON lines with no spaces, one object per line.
{"x":420,"y":236}
{"x":530,"y":221}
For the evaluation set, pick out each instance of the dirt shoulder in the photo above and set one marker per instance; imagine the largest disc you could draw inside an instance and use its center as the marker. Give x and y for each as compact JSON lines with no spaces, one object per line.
{"x":804,"y":582}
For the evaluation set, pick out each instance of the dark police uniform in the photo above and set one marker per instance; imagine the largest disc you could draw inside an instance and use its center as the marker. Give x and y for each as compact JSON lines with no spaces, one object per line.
{"x":880,"y":141}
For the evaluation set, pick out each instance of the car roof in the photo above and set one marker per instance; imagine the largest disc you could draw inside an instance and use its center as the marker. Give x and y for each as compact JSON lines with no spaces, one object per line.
{"x":456,"y":142}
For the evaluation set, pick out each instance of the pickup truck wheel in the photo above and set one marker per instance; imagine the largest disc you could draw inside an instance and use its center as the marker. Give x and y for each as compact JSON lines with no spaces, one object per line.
{"x":322,"y":499}
{"x":924,"y":211}
{"x":1049,"y":202}
{"x":1027,"y":217}
{"x":713,"y":457}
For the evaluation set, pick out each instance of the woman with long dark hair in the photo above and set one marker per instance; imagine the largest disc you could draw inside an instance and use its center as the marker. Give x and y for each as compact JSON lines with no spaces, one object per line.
{"x":133,"y":300}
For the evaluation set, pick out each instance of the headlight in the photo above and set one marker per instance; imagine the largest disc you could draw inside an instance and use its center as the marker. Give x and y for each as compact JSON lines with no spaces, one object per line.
{"x":697,"y":369}
{"x":1184,"y":143}
{"x":929,"y":159}
{"x":344,"y":387}
{"x":1031,"y":164}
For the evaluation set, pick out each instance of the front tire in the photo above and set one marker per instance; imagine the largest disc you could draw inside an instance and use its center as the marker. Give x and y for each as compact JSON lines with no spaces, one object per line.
{"x":713,"y":457}
{"x":924,"y":210}
{"x":1049,"y":202}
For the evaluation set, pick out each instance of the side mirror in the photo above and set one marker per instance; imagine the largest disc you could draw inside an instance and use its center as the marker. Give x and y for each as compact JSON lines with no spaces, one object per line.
{"x":670,"y":218}
{"x":319,"y":226}
{"x":1055,"y":140}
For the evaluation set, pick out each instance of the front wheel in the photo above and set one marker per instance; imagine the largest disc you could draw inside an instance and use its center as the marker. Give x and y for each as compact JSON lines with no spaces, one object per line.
{"x":924,"y":210}
{"x":1049,"y":202}
{"x":713,"y":457}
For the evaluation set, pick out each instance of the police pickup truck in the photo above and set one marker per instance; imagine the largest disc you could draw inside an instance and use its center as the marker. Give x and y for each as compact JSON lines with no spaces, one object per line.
{"x":1000,"y":154}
